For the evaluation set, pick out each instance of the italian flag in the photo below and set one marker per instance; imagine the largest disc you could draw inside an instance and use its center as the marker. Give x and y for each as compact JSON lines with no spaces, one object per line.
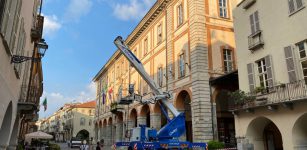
{"x":45,"y":104}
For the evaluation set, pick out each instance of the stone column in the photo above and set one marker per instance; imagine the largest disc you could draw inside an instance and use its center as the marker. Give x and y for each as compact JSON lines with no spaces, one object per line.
{"x":141,"y":120}
{"x":155,"y":120}
{"x":108,"y":135}
{"x":119,"y":132}
{"x":201,"y":105}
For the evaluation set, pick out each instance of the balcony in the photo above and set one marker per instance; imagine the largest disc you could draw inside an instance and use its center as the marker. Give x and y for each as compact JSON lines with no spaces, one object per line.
{"x":255,"y":41}
{"x":116,"y":108}
{"x":28,"y":103}
{"x":37,"y":29}
{"x":283,"y":94}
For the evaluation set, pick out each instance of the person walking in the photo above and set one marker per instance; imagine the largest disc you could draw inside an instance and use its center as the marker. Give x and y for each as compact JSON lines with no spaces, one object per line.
{"x":84,"y":146}
{"x":98,"y":146}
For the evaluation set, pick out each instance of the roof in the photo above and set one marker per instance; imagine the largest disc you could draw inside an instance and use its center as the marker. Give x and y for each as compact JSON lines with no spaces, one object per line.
{"x":90,"y":104}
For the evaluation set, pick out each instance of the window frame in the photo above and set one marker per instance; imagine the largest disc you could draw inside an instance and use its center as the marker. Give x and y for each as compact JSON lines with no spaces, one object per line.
{"x":295,"y":7}
{"x":159,"y":34}
{"x":227,"y":68}
{"x":160,"y":76}
{"x":263,"y":68}
{"x":145,"y":46}
{"x":180,"y":14}
{"x":301,"y":60}
{"x":224,"y":7}
{"x":181,"y":66}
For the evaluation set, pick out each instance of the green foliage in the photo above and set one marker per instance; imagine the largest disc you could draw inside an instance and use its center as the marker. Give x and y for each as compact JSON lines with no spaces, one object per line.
{"x":19,"y":147}
{"x":215,"y":145}
{"x":259,"y":89}
{"x":240,"y":97}
{"x":54,"y":147}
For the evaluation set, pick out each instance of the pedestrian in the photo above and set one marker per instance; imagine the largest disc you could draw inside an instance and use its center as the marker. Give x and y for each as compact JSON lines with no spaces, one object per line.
{"x":84,"y":146}
{"x":98,"y":146}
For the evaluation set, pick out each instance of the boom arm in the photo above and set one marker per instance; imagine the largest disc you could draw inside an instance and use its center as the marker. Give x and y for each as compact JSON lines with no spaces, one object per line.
{"x":137,"y":64}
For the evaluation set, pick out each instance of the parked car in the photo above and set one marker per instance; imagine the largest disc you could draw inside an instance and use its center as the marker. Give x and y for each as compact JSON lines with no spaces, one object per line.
{"x":74,"y":142}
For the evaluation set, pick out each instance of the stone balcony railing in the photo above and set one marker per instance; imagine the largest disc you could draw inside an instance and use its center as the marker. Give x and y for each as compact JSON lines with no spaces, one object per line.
{"x":283,"y":94}
{"x":115,"y":108}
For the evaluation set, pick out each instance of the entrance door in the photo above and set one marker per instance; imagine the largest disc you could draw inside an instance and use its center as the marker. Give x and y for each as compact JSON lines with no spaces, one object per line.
{"x":272,"y":136}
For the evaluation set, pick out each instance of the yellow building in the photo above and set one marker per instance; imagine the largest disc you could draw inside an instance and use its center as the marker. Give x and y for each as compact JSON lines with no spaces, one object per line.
{"x":183,"y":44}
{"x":71,"y":120}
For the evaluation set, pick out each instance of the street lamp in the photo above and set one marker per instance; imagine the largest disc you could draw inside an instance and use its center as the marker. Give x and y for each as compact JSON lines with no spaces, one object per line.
{"x":42,"y":48}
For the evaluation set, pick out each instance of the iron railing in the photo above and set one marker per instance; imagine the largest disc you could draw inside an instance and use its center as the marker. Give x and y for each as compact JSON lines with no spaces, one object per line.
{"x":282,"y":93}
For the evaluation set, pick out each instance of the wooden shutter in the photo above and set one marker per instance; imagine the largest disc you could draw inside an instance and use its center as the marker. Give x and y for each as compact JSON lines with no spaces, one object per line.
{"x":299,"y":3}
{"x":256,"y":17}
{"x":290,"y":64}
{"x":251,"y":19}
{"x":251,"y":80}
{"x":269,"y":70}
{"x":291,"y":6}
{"x":15,"y":26}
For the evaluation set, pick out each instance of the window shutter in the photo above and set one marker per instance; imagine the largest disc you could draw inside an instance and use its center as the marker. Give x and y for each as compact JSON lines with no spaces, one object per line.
{"x":251,"y":19}
{"x":291,"y":6}
{"x":299,"y":3}
{"x":290,"y":64}
{"x":250,"y":72}
{"x":269,"y":70}
{"x":2,"y":8}
{"x":256,"y":17}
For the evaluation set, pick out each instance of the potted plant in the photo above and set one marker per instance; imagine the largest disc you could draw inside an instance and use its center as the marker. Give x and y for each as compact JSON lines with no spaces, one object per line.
{"x":259,"y":90}
{"x":238,"y":97}
{"x":261,"y":98}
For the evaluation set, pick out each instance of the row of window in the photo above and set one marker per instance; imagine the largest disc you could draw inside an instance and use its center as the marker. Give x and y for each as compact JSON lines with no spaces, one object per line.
{"x":264,"y":72}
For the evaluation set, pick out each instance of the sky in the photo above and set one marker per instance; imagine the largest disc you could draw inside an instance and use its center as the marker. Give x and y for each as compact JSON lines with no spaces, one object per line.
{"x":80,"y":36}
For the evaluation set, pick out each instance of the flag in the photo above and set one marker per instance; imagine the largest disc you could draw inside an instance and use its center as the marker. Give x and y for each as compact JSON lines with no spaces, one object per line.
{"x":45,"y":104}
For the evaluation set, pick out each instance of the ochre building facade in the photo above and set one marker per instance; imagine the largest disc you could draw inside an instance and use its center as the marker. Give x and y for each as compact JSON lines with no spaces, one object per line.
{"x":183,"y":44}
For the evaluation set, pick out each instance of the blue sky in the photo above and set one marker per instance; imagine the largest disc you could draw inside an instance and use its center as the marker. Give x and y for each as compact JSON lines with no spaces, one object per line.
{"x":80,"y":36}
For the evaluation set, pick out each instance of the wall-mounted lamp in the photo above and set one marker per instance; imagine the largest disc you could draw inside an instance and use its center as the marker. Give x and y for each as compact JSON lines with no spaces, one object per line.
{"x":189,"y":66}
{"x":42,"y":48}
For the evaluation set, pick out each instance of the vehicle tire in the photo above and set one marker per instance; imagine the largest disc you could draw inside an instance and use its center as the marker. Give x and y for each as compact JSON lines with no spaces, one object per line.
{"x":130,"y":148}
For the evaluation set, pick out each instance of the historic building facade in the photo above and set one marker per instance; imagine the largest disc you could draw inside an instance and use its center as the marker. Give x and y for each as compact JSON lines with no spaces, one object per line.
{"x":71,"y":120}
{"x":21,"y":26}
{"x":271,"y":47}
{"x":183,"y":44}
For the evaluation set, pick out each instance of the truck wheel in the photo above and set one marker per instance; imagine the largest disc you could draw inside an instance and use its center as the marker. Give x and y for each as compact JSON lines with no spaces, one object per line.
{"x":130,"y":148}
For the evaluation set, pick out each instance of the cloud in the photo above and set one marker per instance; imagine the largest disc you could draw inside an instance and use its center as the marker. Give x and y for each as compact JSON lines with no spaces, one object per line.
{"x":51,"y":25}
{"x":133,"y":10}
{"x":56,"y":100}
{"x":76,"y":9}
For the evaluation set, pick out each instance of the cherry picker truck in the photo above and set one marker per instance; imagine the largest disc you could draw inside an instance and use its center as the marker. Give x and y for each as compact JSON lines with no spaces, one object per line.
{"x":167,"y":137}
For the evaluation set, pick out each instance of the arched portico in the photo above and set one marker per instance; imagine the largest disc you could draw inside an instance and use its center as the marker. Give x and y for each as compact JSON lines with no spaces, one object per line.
{"x":183,"y":104}
{"x":263,"y":134}
{"x":299,"y":133}
{"x":144,"y":117}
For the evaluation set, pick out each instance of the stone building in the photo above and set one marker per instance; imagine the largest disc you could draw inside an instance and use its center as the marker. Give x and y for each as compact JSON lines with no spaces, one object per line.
{"x":271,"y":46}
{"x":21,"y":27}
{"x":183,"y":44}
{"x":71,"y":120}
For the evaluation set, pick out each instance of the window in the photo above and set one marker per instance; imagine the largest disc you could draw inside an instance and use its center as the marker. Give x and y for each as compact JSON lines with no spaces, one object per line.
{"x":223,"y":8}
{"x":263,"y":77}
{"x":181,"y":65}
{"x":254,"y":22}
{"x":82,"y":121}
{"x":145,"y":46}
{"x":90,"y":112}
{"x":180,"y":14}
{"x":160,"y":76}
{"x":295,"y":5}
{"x":302,"y":52}
{"x":228,"y":62}
{"x":159,"y":34}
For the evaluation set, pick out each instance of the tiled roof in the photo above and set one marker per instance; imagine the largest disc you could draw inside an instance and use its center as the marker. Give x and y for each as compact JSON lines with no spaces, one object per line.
{"x":90,"y":104}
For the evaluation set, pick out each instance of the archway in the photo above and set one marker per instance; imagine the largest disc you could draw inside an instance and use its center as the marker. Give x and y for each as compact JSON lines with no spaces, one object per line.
{"x":224,"y":119}
{"x":264,"y":134}
{"x":6,"y":125}
{"x":183,"y":104}
{"x":158,"y":112}
{"x":145,"y":112}
{"x":133,"y":118}
{"x":110,"y":131}
{"x":83,"y":135}
{"x":299,"y":133}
